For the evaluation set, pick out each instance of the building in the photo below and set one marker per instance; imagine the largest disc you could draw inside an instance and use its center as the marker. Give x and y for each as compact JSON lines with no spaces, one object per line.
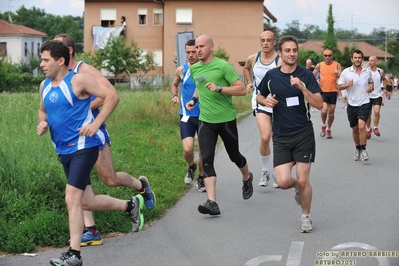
{"x":367,"y":49}
{"x":234,"y":25}
{"x":18,"y":43}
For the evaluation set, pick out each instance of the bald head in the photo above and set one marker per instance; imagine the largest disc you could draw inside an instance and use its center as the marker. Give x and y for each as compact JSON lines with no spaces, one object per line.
{"x":309,"y":63}
{"x":204,"y":46}
{"x":267,"y":33}
{"x":372,"y":62}
{"x":205,"y":38}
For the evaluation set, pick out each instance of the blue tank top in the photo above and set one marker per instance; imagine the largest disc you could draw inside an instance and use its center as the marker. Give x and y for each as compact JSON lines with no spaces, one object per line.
{"x":187,"y":91}
{"x":65,"y":114}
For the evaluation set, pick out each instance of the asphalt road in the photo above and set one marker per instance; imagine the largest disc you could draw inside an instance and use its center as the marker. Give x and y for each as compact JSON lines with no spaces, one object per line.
{"x":354,"y":212}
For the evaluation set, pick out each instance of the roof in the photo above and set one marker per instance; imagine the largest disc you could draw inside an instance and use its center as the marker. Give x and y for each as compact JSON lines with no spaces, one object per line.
{"x":14,"y":29}
{"x":268,"y":14}
{"x":367,"y":49}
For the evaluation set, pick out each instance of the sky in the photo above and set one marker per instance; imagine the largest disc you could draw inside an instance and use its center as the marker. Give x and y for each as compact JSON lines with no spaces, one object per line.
{"x":364,"y":15}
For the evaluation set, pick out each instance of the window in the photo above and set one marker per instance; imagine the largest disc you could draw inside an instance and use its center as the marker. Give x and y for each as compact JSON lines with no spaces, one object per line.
{"x":32,"y":48}
{"x":3,"y":48}
{"x":142,"y":57}
{"x":158,"y":17}
{"x":26,"y":49}
{"x":108,"y":17}
{"x":38,"y":49}
{"x":158,"y":57}
{"x":142,"y":12}
{"x":184,"y":16}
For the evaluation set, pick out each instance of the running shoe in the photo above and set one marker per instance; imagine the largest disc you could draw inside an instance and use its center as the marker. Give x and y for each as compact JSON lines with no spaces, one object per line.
{"x":323,"y":131}
{"x":364,"y":155}
{"x":376,"y":132}
{"x":264,"y":179}
{"x":275,"y":185}
{"x":209,"y":207}
{"x":67,"y":259}
{"x":247,"y":188}
{"x":357,"y":155}
{"x":296,"y":196}
{"x":91,"y":239}
{"x":201,"y":185}
{"x":136,"y":214}
{"x":306,"y":226}
{"x":368,"y":133}
{"x":148,"y":194}
{"x":329,"y":136}
{"x":189,"y":178}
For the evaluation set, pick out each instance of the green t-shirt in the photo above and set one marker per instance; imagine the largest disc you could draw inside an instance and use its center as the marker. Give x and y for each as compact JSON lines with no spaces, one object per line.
{"x":215,"y":107}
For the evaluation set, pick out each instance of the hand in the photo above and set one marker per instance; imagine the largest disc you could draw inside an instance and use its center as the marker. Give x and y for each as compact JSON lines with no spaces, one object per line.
{"x":42,"y":128}
{"x":350,"y":83}
{"x":250,"y":88}
{"x":271,"y":101}
{"x":212,"y":87}
{"x":88,"y":130}
{"x":296,"y":82}
{"x":190,"y":105}
{"x":175,"y":100}
{"x":370,"y":89}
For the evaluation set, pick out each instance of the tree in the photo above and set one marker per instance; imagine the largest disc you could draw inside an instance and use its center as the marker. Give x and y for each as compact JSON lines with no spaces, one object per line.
{"x":222,"y":54}
{"x":305,"y":54}
{"x":295,"y":30}
{"x":118,"y":58}
{"x":331,"y":40}
{"x":346,"y":56}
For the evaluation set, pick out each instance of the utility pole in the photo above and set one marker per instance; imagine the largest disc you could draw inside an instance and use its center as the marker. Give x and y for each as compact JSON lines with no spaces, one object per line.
{"x":386,"y":40}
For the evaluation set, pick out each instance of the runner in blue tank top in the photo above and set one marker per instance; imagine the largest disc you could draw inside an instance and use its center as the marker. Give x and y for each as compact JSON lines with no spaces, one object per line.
{"x":188,"y":118}
{"x":65,"y":111}
{"x":104,"y":165}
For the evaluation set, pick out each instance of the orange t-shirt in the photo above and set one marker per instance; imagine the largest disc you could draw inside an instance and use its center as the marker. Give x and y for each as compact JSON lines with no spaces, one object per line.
{"x":328,"y":78}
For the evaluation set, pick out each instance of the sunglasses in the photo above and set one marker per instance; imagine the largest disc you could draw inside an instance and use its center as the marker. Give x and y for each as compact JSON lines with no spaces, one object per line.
{"x":327,"y":55}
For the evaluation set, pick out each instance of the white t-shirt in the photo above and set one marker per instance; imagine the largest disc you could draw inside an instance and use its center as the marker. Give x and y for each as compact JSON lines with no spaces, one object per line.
{"x":357,"y":94}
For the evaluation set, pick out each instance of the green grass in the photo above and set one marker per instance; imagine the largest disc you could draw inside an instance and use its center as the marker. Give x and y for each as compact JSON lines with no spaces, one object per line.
{"x":145,"y":136}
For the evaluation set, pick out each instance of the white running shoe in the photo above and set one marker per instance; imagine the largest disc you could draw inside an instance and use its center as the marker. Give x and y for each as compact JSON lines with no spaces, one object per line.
{"x":306,"y":226}
{"x":264,"y":179}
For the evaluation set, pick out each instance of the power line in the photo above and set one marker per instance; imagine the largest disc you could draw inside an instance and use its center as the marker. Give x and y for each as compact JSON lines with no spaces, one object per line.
{"x":363,"y":23}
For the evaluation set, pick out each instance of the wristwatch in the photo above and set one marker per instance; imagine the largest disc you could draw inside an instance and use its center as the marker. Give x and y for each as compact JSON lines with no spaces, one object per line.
{"x":220,"y":89}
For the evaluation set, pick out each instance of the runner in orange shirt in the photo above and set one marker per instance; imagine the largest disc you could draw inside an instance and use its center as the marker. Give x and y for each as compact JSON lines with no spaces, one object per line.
{"x":329,"y":73}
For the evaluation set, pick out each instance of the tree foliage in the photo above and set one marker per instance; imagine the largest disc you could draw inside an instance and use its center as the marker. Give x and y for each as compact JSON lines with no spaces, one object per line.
{"x":331,"y":41}
{"x":119,"y":58}
{"x":222,"y":54}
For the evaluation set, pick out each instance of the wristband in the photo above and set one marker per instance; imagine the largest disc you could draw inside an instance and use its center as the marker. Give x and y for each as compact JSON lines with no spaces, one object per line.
{"x":195,"y":100}
{"x":174,"y":95}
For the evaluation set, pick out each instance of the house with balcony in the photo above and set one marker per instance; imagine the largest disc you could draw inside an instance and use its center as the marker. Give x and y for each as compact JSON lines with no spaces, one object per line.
{"x":234,"y":25}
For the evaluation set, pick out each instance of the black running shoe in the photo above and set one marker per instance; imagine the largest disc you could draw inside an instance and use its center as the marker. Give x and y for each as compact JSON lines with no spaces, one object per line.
{"x":247,"y":188}
{"x":209,"y":207}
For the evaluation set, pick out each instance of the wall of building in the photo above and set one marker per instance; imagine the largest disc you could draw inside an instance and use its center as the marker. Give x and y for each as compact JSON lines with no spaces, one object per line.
{"x":234,"y":26}
{"x":16,"y":47}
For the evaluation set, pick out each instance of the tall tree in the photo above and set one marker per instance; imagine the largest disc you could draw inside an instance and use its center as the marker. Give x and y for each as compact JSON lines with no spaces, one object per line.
{"x":331,"y":40}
